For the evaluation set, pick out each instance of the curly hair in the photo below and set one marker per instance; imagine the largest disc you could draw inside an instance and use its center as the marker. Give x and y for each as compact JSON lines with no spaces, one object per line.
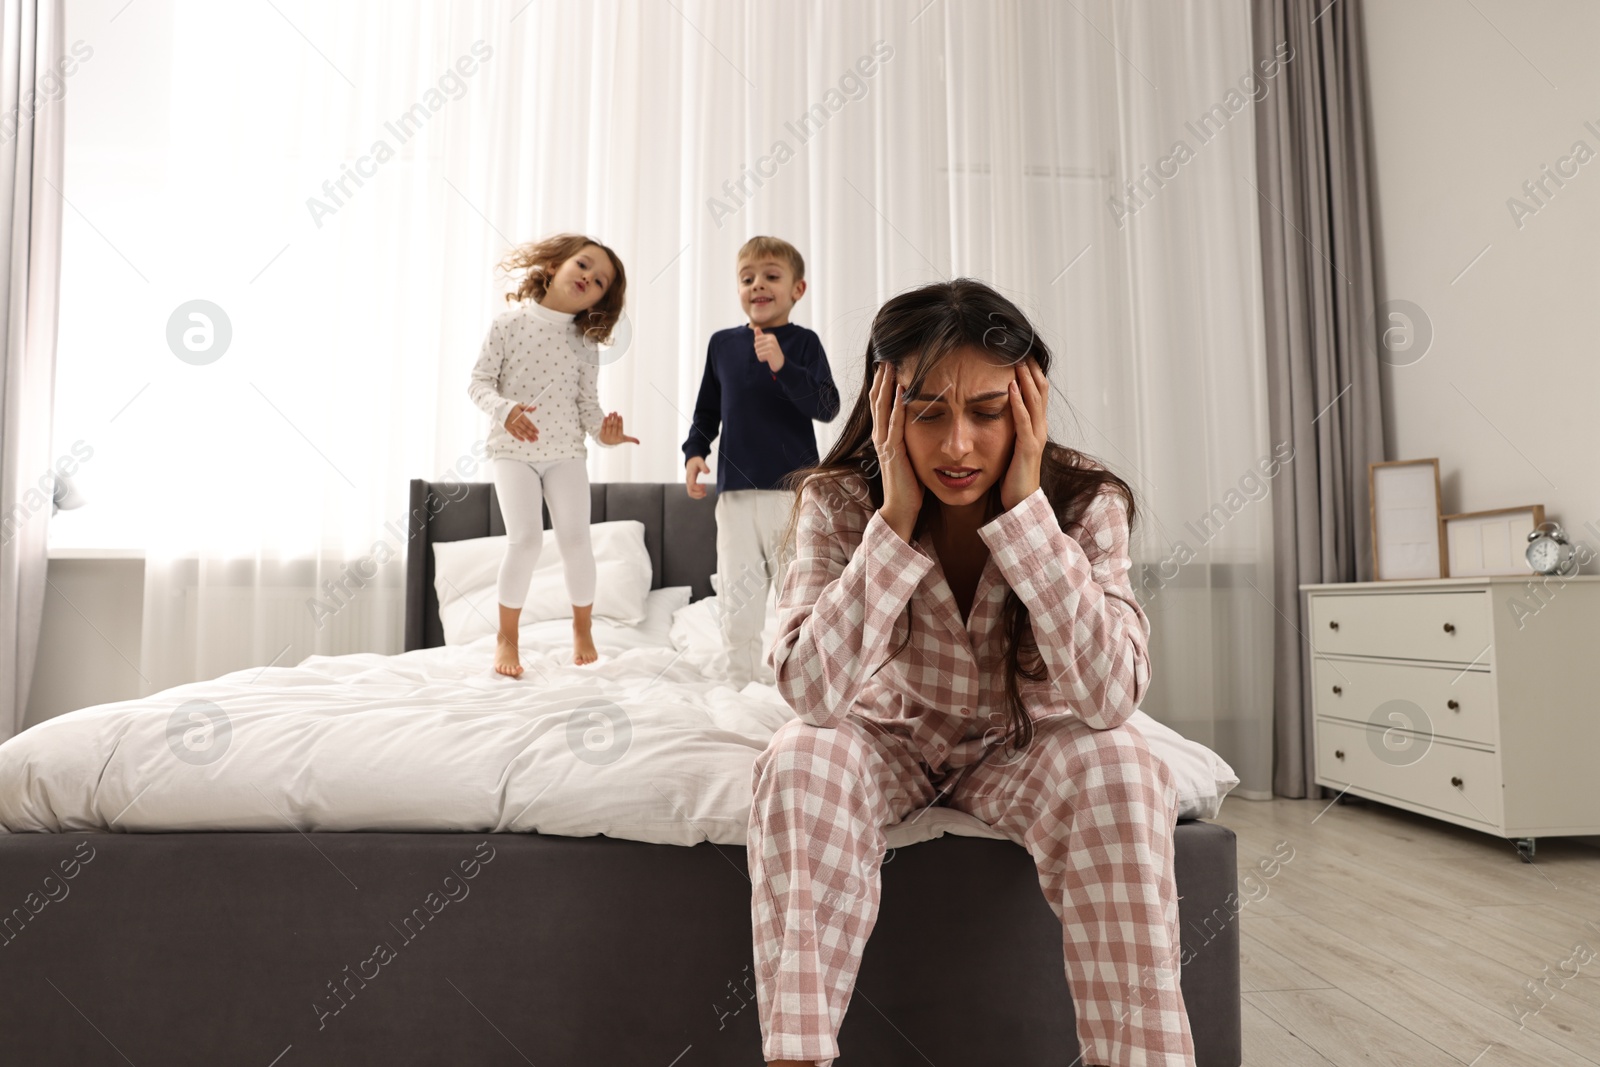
{"x":541,"y":259}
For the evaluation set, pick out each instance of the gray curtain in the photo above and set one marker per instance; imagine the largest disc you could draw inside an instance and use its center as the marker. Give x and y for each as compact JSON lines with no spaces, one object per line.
{"x":31,"y":88}
{"x":1322,"y":375}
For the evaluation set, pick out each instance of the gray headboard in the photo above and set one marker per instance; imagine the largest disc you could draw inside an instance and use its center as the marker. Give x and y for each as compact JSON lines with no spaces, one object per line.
{"x":680,"y":534}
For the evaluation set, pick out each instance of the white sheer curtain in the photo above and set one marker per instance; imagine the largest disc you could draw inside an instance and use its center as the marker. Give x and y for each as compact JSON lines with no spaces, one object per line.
{"x":32,"y":47}
{"x":990,"y":139}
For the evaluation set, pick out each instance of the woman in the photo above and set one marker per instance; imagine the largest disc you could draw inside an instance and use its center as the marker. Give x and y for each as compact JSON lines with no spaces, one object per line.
{"x":957,"y":626}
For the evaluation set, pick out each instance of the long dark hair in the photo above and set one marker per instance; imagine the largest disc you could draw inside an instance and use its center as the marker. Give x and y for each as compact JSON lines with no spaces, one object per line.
{"x":927,"y":326}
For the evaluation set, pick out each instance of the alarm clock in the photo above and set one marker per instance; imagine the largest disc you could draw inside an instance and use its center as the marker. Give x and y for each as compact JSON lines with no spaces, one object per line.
{"x":1549,"y":551}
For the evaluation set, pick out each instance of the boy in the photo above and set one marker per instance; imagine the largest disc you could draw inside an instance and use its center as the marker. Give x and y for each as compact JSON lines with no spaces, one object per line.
{"x":764,"y":382}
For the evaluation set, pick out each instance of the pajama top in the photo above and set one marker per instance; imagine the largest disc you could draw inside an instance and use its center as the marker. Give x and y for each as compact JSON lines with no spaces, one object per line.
{"x":532,"y":355}
{"x":842,"y":611}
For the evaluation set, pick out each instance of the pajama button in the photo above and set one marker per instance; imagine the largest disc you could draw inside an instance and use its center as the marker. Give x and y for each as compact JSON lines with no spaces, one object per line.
{"x":966,"y":711}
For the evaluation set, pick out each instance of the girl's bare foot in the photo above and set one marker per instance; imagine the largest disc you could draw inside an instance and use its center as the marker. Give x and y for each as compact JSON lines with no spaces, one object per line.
{"x":505,"y":658}
{"x":583,"y":650}
{"x":506,"y":661}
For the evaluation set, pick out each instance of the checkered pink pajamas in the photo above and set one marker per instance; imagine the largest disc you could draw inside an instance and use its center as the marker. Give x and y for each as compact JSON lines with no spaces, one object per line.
{"x":877,"y":738}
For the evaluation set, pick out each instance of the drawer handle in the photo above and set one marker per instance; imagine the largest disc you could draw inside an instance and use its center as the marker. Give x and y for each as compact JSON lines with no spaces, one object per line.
{"x":1456,"y":781}
{"x":1338,"y":753}
{"x":1337,"y":690}
{"x":1449,"y":627}
{"x":1453,"y":705}
{"x":1333,"y":624}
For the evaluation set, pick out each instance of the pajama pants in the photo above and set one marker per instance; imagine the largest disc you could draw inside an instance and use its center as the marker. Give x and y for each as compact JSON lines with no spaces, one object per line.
{"x":520,"y":486}
{"x":1094,"y":808}
{"x":749,"y":525}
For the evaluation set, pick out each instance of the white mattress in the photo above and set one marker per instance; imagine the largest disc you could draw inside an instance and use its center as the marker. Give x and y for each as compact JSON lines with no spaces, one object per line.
{"x":430,"y":740}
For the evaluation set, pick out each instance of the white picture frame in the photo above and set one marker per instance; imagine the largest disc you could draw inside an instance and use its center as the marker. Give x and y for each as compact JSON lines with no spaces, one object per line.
{"x":1407,"y":537}
{"x":1481,"y":543}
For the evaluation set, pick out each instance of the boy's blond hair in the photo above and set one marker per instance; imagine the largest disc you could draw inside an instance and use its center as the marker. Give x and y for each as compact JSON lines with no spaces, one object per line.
{"x":775,"y":247}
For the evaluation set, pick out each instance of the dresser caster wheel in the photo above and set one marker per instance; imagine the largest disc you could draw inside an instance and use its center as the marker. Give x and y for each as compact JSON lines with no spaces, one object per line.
{"x":1525,"y":847}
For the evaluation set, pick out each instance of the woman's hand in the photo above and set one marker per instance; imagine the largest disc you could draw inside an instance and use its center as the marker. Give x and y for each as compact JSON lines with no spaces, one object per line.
{"x":1030,"y":393}
{"x":902,"y":490}
{"x":520,"y":426}
{"x":611,"y":431}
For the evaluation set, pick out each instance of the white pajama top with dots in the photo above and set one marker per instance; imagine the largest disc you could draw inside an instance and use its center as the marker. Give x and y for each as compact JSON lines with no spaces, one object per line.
{"x":533,"y":355}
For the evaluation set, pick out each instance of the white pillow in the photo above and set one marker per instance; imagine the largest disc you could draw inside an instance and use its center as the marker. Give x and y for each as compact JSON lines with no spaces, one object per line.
{"x":465,"y":573}
{"x":1203,"y":777}
{"x":554,"y":636}
{"x":697,"y":633}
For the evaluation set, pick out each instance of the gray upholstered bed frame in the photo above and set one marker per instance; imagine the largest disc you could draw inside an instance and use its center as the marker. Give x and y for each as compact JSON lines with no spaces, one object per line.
{"x":258,"y":948}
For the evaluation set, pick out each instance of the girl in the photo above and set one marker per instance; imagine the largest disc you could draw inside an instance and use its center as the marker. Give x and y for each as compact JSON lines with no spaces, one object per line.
{"x":543,"y":354}
{"x":958,"y":626}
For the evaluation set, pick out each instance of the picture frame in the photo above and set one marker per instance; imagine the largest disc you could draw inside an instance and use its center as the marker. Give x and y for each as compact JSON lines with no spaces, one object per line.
{"x":1407,"y":535}
{"x":1480,"y":543}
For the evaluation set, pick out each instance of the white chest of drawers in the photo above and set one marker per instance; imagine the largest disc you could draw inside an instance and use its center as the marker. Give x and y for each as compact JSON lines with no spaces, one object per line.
{"x":1473,"y":700}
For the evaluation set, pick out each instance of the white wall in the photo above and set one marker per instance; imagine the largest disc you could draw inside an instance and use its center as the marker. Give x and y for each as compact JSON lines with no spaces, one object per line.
{"x":1465,"y":108}
{"x":89,"y":642}
{"x":1464,"y":112}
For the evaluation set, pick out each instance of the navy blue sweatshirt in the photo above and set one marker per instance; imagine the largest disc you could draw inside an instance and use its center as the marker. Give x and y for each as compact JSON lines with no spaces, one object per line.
{"x":765,"y":418}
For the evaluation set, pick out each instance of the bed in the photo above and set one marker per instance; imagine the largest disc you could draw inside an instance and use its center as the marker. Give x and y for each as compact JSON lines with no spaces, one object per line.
{"x":493,"y":939}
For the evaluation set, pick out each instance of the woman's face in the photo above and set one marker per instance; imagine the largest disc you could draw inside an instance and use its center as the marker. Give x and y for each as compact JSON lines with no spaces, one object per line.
{"x":959,"y":431}
{"x":581,"y":281}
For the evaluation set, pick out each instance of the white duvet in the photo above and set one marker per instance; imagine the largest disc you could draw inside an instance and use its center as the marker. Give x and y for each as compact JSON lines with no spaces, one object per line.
{"x":640,"y":745}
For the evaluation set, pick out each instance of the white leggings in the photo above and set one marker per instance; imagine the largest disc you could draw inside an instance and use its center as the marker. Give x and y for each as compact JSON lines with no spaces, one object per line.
{"x":565,"y":483}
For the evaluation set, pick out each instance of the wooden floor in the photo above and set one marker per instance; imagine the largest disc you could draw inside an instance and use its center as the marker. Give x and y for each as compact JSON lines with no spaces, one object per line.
{"x":1393,"y":939}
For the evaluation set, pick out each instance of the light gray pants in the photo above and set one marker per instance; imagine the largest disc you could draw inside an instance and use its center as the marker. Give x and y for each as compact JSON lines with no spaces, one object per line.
{"x":750,"y":523}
